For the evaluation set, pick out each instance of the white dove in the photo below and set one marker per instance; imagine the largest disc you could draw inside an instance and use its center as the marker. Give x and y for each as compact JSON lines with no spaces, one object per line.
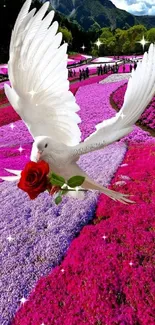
{"x":40,"y":94}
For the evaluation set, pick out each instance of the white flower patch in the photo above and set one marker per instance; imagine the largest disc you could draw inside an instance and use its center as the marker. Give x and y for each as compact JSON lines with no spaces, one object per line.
{"x":120,"y":183}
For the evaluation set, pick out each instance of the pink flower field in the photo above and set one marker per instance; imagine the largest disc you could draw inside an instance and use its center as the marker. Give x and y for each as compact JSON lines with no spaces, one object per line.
{"x":3,"y":69}
{"x":96,"y":79}
{"x":147,"y":118}
{"x":88,"y":262}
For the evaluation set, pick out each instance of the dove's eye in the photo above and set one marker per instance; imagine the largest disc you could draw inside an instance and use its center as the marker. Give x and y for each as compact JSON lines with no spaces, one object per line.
{"x":46,"y":145}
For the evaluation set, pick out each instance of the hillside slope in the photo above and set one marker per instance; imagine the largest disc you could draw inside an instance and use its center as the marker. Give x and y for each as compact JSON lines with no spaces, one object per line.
{"x":103,"y":12}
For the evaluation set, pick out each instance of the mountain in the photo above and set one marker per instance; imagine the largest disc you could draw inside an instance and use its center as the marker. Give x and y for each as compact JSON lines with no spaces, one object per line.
{"x":92,"y":14}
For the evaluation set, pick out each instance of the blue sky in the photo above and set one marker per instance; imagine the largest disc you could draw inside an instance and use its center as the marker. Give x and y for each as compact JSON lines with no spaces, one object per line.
{"x":136,"y":7}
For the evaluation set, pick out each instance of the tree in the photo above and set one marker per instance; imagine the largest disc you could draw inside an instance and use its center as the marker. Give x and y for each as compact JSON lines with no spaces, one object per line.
{"x":135,"y":34}
{"x":106,"y":33}
{"x":126,"y":48}
{"x":111,"y":45}
{"x":67,"y":35}
{"x":150,"y":35}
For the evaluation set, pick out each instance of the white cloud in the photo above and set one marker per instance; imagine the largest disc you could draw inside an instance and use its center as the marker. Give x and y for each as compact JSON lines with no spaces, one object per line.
{"x":136,"y":7}
{"x":151,"y":11}
{"x":121,"y":4}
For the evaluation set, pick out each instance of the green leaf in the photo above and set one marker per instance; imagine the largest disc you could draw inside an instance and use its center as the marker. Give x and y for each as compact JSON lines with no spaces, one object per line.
{"x":75,"y":181}
{"x":58,"y":200}
{"x":57,"y":180}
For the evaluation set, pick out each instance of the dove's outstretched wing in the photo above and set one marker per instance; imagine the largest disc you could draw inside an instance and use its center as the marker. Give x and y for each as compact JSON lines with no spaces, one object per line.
{"x":140,"y":90}
{"x":38,"y":74}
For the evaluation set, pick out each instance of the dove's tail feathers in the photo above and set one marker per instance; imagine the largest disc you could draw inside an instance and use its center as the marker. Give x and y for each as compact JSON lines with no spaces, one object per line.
{"x":12,"y":96}
{"x":116,"y":196}
{"x":90,"y":184}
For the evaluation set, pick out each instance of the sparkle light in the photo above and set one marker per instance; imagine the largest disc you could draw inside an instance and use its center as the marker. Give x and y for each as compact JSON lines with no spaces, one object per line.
{"x":98,"y":43}
{"x":104,"y":237}
{"x":143,"y":42}
{"x":9,"y":238}
{"x":12,"y":126}
{"x":62,"y":270}
{"x":23,"y":300}
{"x":130,"y":263}
{"x":20,"y":149}
{"x":32,"y":93}
{"x":83,"y":47}
{"x":122,"y":116}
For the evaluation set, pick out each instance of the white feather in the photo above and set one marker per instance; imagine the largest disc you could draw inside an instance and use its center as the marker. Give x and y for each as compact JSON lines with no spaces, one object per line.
{"x":38,"y":63}
{"x":10,"y":178}
{"x":40,"y":95}
{"x":15,"y":172}
{"x":140,"y":90}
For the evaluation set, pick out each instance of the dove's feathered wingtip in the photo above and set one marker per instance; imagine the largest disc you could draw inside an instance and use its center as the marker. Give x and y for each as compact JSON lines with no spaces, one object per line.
{"x":6,"y":87}
{"x":33,"y":38}
{"x":10,"y":178}
{"x":17,"y":174}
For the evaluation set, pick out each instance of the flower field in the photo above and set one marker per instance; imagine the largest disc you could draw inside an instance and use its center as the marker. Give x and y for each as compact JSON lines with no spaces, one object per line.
{"x":81,"y":262}
{"x":3,"y":69}
{"x":96,"y":79}
{"x":76,"y":58}
{"x":147,"y":118}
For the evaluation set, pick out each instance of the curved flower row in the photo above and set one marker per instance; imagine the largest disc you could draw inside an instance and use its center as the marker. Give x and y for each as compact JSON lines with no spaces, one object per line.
{"x":3,"y":98}
{"x":97,"y":97}
{"x":41,"y":231}
{"x":35,"y":235}
{"x":147,"y":118}
{"x":107,"y":276}
{"x":8,"y":114}
{"x":49,"y":230}
{"x":93,"y":80}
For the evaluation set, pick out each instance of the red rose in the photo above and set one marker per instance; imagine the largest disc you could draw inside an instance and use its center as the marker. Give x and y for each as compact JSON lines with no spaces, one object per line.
{"x":34,"y":178}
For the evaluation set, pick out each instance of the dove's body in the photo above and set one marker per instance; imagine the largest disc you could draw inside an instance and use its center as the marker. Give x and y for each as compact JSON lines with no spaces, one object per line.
{"x":40,"y":94}
{"x":63,"y":159}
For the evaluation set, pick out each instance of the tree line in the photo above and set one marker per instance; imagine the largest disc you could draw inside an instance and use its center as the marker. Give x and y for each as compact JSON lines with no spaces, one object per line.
{"x":114,"y":41}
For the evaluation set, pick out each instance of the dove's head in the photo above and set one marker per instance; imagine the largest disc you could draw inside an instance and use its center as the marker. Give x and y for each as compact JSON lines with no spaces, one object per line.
{"x":43,"y":146}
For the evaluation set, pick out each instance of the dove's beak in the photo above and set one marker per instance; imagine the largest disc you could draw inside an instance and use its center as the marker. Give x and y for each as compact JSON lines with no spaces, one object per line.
{"x":39,"y":153}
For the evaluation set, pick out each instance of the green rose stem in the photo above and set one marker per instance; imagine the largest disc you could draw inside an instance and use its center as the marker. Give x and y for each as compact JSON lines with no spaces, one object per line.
{"x":69,"y":190}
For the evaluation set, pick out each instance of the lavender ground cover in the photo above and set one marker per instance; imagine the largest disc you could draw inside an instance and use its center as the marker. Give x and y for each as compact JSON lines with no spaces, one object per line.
{"x":41,"y":231}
